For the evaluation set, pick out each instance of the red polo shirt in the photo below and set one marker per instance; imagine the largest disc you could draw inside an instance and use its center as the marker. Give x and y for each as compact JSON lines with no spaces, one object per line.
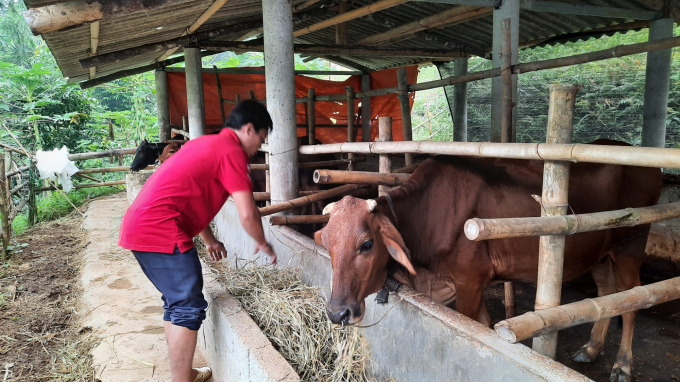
{"x":184,"y":194}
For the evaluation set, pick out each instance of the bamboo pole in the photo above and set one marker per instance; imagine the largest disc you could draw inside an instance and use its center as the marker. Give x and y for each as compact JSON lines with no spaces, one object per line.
{"x":300,"y":219}
{"x":4,"y":210}
{"x":17,"y":170}
{"x":17,"y":188}
{"x":32,"y":208}
{"x":554,"y":201}
{"x":109,"y":169}
{"x":219,"y":94}
{"x":101,"y":154}
{"x":506,"y":81}
{"x":17,"y":211}
{"x":351,"y":15}
{"x":79,"y":186}
{"x":311,"y":120}
{"x":185,"y":124}
{"x":251,"y":94}
{"x":577,"y":152}
{"x":180,"y":132}
{"x":302,"y":201}
{"x":265,"y":196}
{"x":489,"y":229}
{"x":549,"y":320}
{"x":89,"y":178}
{"x":8,"y":147}
{"x":359,"y":177}
{"x":351,"y":135}
{"x":237,"y":98}
{"x":385,"y":161}
{"x":405,"y":110}
{"x":329,"y":163}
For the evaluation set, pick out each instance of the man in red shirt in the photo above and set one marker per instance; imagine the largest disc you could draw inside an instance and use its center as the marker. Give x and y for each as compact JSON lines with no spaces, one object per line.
{"x":177,"y":203}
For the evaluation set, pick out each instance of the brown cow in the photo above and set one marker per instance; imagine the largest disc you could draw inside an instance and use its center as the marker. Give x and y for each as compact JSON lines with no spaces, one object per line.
{"x":170,"y":149}
{"x":424,"y":232}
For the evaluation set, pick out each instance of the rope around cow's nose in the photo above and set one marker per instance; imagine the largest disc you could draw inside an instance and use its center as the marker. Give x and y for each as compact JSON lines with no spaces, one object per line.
{"x":385,"y":314}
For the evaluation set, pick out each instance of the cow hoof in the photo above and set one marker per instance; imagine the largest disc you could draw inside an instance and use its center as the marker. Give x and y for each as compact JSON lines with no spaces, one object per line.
{"x":584,"y":354}
{"x":619,"y":375}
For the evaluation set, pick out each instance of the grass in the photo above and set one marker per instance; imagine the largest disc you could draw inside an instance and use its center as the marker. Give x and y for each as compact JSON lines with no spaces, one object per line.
{"x":55,"y":205}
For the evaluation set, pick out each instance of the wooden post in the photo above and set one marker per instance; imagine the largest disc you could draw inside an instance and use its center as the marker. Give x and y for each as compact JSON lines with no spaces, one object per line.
{"x":311,"y":113}
{"x":405,"y":110}
{"x":238,"y":98}
{"x":385,"y":164}
{"x":657,"y":81}
{"x":4,"y":211}
{"x":251,"y":94}
{"x":365,"y":109}
{"x":460,"y":68}
{"x":162,"y":107}
{"x":32,"y":208}
{"x":219,"y":95}
{"x":195,"y":99}
{"x":509,"y":9}
{"x":554,"y":201}
{"x":506,"y":82}
{"x":185,"y":123}
{"x":341,"y":29}
{"x":351,"y":134}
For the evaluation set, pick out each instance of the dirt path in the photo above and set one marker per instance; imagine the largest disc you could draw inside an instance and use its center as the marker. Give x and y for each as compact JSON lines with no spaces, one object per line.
{"x":40,"y":333}
{"x":125,"y":309}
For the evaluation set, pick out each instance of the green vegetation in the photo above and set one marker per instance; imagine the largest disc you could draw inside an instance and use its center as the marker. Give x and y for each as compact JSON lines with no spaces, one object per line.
{"x":609,"y":105}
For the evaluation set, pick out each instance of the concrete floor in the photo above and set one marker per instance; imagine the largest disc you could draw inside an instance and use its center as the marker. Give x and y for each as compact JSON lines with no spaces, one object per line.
{"x":121,"y":304}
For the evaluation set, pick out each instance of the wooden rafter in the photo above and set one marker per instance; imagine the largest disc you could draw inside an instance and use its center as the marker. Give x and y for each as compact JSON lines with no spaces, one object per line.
{"x":334,"y":50}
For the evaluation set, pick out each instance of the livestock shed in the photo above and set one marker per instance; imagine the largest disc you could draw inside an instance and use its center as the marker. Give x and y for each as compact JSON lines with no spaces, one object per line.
{"x":413,"y":338}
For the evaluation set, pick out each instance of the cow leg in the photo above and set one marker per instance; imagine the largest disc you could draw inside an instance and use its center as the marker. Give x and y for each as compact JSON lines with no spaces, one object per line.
{"x":469,"y":296}
{"x":603,"y":274}
{"x":627,"y":261}
{"x":483,"y":317}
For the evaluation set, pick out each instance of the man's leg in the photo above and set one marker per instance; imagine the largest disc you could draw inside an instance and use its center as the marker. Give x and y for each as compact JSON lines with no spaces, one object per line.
{"x":181,"y":346}
{"x":178,"y":277}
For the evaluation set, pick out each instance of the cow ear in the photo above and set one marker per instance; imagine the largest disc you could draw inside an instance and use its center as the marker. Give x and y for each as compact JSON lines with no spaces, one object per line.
{"x":317,"y":237}
{"x":395,"y":244}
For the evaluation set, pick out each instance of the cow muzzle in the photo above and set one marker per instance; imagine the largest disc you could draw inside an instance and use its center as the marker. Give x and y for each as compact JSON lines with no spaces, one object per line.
{"x":345,"y":315}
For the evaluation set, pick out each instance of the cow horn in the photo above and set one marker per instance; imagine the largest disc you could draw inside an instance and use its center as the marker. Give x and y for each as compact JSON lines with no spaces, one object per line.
{"x":328,"y":209}
{"x":371,"y":204}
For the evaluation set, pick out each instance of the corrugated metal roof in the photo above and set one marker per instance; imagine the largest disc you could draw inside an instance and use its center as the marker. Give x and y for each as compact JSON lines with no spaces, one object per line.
{"x":475,"y":36}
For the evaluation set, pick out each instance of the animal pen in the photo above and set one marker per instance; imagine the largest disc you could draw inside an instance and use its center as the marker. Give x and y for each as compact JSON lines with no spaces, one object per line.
{"x":414,"y":338}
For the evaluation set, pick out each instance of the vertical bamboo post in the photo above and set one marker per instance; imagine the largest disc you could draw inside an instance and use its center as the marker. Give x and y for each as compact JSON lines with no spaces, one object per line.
{"x":32,"y":211}
{"x":219,"y":95}
{"x":506,"y":81}
{"x":554,"y":201}
{"x":185,"y":123}
{"x":4,"y":210}
{"x":365,"y":109}
{"x":385,"y":164}
{"x":251,"y":94}
{"x":238,"y":98}
{"x":405,"y":110}
{"x":460,"y":68}
{"x":162,"y":107}
{"x":267,"y":181}
{"x":351,"y":134}
{"x":311,"y":115}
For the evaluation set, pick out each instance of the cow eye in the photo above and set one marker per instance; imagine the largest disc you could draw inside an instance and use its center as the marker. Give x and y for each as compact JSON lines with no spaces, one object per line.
{"x":367,"y":246}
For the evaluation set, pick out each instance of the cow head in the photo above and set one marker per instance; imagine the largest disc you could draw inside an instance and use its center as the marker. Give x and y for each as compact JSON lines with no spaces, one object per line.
{"x":146,"y":155}
{"x":170,"y":149}
{"x":361,"y":241}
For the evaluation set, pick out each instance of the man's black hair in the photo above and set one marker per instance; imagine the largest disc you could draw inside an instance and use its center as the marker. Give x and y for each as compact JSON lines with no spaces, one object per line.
{"x":249,"y":111}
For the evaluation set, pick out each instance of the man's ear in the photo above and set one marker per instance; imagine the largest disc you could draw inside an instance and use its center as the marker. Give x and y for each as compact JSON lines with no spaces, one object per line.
{"x":317,"y":237}
{"x":394,"y":242}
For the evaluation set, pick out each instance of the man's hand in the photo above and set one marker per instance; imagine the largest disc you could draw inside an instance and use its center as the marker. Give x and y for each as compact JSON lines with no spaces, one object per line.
{"x":216,"y":250}
{"x":266,"y":248}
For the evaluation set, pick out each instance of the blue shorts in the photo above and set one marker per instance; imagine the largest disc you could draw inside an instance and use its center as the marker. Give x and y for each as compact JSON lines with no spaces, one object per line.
{"x":179,"y":278}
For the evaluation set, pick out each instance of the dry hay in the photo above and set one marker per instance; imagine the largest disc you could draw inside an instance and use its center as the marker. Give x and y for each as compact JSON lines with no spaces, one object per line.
{"x":40,"y":335}
{"x":293,"y":316}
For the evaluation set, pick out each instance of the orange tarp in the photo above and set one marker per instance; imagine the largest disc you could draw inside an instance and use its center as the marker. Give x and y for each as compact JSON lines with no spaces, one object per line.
{"x":326,"y":112}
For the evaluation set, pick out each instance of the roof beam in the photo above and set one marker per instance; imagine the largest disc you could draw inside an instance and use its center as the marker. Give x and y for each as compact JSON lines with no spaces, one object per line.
{"x":453,"y":16}
{"x":333,"y":50}
{"x":261,"y":71}
{"x":214,"y":7}
{"x":565,"y":8}
{"x":351,"y":15}
{"x":66,"y":14}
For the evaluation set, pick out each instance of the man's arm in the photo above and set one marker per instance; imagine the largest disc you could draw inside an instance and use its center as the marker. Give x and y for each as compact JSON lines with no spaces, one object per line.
{"x":251,"y":221}
{"x":214,"y":247}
